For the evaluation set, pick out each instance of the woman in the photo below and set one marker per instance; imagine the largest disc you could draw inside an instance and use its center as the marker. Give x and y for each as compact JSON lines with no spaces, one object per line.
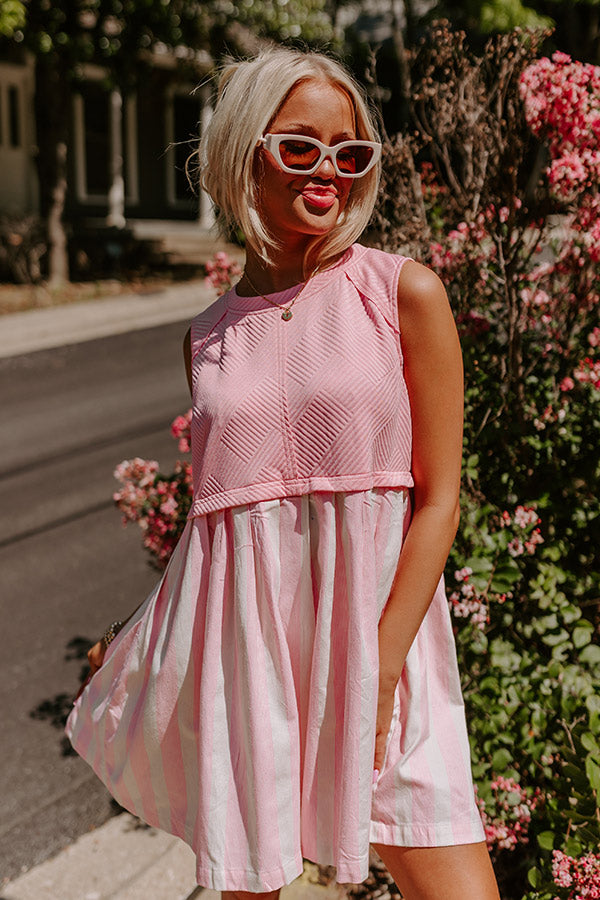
{"x":290,"y":688}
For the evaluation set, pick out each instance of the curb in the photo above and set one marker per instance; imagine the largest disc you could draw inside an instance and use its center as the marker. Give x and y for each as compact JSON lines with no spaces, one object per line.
{"x":127,"y":860}
{"x":73,"y":323}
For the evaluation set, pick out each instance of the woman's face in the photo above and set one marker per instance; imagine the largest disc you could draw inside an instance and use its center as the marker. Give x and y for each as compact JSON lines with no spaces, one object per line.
{"x":297,"y":207}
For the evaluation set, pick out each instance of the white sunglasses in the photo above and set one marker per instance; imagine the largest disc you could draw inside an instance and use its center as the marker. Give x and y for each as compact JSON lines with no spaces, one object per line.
{"x":298,"y":154}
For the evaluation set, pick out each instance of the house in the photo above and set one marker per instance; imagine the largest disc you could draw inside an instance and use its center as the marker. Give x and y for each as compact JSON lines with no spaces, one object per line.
{"x":126,"y":154}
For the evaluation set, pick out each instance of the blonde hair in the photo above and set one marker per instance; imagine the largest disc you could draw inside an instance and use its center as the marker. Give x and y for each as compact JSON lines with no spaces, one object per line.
{"x":250,"y":93}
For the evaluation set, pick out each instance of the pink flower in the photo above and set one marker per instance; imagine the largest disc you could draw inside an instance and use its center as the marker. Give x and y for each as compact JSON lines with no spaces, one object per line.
{"x":526,"y":515}
{"x":221,"y":270}
{"x":594,"y":337}
{"x":582,"y":875}
{"x":588,"y":372}
{"x":181,"y":430}
{"x":567,"y":384}
{"x":169,"y":507}
{"x":506,"y":821}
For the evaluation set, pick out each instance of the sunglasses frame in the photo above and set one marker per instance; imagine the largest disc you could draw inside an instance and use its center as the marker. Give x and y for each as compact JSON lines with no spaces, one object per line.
{"x":272,"y":141}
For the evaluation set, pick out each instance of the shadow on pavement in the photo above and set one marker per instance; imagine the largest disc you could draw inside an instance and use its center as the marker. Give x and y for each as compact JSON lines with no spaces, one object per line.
{"x":55,"y":710}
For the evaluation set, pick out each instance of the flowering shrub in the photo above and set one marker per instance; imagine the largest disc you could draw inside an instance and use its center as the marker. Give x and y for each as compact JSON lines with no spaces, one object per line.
{"x":220,"y":271}
{"x":490,"y":572}
{"x":158,"y":503}
{"x":507,"y":214}
{"x":507,"y":813}
{"x":562,"y":104}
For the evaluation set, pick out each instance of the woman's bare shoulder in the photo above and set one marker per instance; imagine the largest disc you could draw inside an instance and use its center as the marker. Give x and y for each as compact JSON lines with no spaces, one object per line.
{"x":422,"y":299}
{"x":417,"y":280}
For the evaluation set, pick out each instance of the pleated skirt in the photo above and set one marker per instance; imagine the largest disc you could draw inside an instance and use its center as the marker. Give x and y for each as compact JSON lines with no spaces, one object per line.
{"x":237,"y":707}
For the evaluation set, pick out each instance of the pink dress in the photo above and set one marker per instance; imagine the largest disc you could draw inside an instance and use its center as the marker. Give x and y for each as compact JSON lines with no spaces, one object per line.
{"x":237,"y":708}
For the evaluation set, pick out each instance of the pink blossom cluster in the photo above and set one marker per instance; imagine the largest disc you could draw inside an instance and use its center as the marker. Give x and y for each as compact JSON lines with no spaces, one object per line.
{"x":158,"y":503}
{"x":587,"y":372}
{"x":509,"y":824}
{"x":581,"y":875}
{"x":181,"y":431}
{"x":430,"y":186}
{"x":550,"y":414}
{"x":221,"y":270}
{"x":523,"y":517}
{"x":471,"y":244}
{"x":466,"y":603}
{"x":137,"y":477}
{"x":562,"y":104}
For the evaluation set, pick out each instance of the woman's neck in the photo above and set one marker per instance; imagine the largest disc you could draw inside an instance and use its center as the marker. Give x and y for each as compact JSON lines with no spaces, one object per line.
{"x":288,"y":271}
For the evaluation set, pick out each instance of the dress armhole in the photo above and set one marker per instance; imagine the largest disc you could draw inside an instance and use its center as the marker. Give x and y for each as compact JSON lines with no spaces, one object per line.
{"x":377,"y":279}
{"x":201,"y":328}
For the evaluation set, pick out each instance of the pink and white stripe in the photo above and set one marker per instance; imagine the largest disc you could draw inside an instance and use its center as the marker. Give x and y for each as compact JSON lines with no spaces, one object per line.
{"x":237,"y":708}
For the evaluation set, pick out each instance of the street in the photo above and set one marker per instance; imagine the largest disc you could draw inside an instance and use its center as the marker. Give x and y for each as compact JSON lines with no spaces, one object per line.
{"x":68,"y":567}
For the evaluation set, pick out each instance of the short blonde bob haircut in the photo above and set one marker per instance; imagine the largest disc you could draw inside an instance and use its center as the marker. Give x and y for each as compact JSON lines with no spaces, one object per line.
{"x":250,"y":93}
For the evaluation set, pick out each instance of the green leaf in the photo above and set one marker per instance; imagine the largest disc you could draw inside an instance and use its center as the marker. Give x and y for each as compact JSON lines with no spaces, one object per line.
{"x":593,"y":702}
{"x":572,"y":847}
{"x":546,"y":840}
{"x":553,"y":640}
{"x":590,"y":743}
{"x":479,"y":564}
{"x":582,"y":635}
{"x":593,"y":773}
{"x":590,"y":655}
{"x":534,"y":877}
{"x":501,"y":759}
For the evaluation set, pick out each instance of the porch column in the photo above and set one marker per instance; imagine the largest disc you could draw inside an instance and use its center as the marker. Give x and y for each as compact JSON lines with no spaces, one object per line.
{"x":206,"y":216}
{"x":116,"y":193}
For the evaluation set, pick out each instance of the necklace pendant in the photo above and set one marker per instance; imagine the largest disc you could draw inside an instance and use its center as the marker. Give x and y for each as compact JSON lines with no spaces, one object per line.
{"x":286,"y":315}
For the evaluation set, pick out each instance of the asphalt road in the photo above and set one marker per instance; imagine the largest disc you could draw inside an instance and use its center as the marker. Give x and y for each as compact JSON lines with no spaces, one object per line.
{"x":68,"y":567}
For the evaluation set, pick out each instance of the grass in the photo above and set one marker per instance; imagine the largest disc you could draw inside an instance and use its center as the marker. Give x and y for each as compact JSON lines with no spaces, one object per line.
{"x":21,"y":297}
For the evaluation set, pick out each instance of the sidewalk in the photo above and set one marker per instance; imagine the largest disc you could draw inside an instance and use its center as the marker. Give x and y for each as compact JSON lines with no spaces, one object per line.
{"x":42,"y":329}
{"x":126,"y":860}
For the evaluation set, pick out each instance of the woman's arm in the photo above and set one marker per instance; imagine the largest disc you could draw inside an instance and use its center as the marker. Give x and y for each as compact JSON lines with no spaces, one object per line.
{"x":434,"y":378}
{"x":187,"y":356}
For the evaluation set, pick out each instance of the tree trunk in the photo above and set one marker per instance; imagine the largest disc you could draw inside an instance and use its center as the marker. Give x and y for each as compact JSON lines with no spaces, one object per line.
{"x":402,"y":60}
{"x":52,"y":98}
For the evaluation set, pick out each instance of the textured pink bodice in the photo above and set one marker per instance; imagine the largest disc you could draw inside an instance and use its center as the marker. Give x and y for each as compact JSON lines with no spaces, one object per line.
{"x":317,"y":403}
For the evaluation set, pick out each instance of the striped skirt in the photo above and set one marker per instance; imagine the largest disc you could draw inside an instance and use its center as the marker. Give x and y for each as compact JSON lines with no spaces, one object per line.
{"x":237,"y":707}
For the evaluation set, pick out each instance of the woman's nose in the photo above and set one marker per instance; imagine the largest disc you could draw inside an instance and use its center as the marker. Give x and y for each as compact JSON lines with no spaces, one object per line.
{"x":326,"y":169}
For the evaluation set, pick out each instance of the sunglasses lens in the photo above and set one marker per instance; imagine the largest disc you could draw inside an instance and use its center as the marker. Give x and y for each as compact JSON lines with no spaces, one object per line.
{"x":354,"y":159}
{"x":298,"y":155}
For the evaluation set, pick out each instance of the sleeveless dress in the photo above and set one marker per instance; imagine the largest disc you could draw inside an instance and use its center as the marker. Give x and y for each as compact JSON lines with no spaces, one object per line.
{"x":237,"y":707}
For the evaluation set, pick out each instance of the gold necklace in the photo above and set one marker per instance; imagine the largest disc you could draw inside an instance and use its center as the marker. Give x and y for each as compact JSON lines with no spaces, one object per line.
{"x":286,"y":315}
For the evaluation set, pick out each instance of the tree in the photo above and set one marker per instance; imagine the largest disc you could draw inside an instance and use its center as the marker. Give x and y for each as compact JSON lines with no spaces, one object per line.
{"x":120,"y":35}
{"x":12,"y":17}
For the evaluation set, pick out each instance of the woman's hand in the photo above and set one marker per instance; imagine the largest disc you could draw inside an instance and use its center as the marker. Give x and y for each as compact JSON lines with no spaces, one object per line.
{"x":95,"y":656}
{"x":385,"y":709}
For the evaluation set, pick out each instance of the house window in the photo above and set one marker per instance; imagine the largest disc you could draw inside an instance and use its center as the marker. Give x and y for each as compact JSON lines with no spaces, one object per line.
{"x":11,"y":120}
{"x":96,"y":124}
{"x":14,"y":118}
{"x":93,"y":145}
